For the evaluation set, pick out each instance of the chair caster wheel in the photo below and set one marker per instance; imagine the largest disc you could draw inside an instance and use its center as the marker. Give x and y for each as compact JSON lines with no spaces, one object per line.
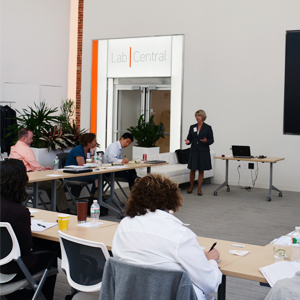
{"x":268,"y":198}
{"x":228,"y":189}
{"x":215,"y":193}
{"x":280,"y":194}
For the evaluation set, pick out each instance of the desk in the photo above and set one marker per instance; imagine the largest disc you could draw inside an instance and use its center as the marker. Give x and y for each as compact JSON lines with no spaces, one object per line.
{"x":226,"y":258}
{"x":270,"y":160}
{"x":104,"y":233}
{"x":36,"y":177}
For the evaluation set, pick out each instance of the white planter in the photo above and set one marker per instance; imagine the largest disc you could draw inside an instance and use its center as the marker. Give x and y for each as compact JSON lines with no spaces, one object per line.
{"x":45,"y":158}
{"x":137,"y":152}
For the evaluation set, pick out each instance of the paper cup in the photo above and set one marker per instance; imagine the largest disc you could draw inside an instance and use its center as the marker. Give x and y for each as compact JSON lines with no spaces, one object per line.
{"x":88,"y":160}
{"x":63,"y":221}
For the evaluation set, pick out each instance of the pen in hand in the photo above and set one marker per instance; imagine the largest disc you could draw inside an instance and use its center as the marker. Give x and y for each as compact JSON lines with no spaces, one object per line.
{"x":213,"y":246}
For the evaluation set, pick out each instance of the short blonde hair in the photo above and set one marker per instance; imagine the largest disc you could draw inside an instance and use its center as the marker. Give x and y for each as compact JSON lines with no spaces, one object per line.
{"x":201,"y":113}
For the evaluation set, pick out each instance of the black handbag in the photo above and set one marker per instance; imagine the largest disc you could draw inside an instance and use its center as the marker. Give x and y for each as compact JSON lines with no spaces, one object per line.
{"x":183,"y":155}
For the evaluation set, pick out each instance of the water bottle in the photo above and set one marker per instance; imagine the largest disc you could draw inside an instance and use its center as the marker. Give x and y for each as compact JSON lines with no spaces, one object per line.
{"x":95,"y":213}
{"x":100,"y":160}
{"x":96,"y":158}
{"x":295,"y":251}
{"x":88,"y":155}
{"x":56,"y":163}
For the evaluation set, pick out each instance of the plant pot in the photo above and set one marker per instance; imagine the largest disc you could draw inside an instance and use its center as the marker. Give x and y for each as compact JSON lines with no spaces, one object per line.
{"x":137,"y":152}
{"x":45,"y":158}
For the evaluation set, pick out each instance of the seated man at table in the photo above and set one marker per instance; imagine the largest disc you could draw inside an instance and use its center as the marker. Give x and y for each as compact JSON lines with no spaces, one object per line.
{"x":23,"y":152}
{"x":113,"y":155}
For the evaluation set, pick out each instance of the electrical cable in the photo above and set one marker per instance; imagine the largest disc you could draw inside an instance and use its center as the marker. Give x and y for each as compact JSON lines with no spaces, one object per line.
{"x":248,"y":188}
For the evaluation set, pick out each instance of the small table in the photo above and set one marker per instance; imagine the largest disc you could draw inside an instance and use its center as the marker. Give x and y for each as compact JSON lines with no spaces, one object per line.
{"x":270,"y":160}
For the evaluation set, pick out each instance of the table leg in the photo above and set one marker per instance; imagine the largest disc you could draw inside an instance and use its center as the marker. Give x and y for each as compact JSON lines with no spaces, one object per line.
{"x":225,"y":183}
{"x":222,"y":289}
{"x":111,"y":198}
{"x":53,"y":195}
{"x":271,"y":186}
{"x":148,"y":170}
{"x":35,"y":195}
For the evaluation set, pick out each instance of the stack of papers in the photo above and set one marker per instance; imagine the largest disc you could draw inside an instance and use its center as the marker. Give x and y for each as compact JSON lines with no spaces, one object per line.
{"x":238,"y":252}
{"x":280,"y":270}
{"x":89,"y":224}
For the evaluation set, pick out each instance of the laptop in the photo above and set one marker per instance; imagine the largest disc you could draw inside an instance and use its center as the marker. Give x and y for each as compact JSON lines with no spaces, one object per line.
{"x":155,"y":162}
{"x":241,"y":152}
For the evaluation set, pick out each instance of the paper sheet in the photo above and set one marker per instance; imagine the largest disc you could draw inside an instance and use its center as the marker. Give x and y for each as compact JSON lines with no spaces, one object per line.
{"x":285,"y":239}
{"x":89,"y":224}
{"x":39,"y":225}
{"x":54,"y":175}
{"x":280,"y":270}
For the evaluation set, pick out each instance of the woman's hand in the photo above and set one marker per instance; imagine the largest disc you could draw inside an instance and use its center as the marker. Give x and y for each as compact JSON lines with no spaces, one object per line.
{"x":213,"y":254}
{"x":187,"y":142}
{"x":204,"y":140}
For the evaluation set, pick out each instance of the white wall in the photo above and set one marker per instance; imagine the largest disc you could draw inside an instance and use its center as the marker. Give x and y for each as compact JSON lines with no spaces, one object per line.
{"x":233,"y":69}
{"x":34,"y":51}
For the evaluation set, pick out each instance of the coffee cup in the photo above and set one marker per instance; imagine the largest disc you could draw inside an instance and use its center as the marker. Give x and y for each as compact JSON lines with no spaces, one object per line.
{"x":63,"y":221}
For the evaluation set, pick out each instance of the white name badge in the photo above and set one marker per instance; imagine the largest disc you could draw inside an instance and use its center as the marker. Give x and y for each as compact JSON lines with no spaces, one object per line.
{"x":195,"y":129}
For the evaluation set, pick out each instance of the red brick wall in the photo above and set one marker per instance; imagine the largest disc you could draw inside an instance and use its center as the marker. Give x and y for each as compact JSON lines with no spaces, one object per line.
{"x":79,"y":61}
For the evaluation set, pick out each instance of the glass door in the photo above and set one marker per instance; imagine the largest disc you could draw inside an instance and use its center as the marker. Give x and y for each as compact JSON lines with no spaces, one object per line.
{"x":131,"y":101}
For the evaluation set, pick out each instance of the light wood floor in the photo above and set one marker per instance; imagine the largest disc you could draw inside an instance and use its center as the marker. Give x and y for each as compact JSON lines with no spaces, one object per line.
{"x":240,"y":216}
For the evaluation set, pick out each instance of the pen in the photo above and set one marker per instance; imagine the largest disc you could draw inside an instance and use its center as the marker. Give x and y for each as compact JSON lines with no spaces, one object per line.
{"x":213,"y":246}
{"x":41,"y":225}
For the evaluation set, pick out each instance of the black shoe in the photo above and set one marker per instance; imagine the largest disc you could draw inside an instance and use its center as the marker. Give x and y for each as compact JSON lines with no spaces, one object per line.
{"x":189,"y":192}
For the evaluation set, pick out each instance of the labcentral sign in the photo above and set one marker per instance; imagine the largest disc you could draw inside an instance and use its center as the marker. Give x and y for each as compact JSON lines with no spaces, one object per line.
{"x":140,"y":57}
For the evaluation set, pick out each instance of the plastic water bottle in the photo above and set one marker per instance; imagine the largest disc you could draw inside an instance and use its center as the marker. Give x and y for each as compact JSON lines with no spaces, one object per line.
{"x":295,"y":251}
{"x":96,"y":158}
{"x":56,"y":163}
{"x":95,"y":213}
{"x":100,"y":160}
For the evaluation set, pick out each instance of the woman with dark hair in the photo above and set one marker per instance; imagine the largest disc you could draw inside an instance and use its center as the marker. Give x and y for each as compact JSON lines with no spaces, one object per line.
{"x":200,"y":137}
{"x":78,"y":156}
{"x":151,"y":235}
{"x":13,"y":183}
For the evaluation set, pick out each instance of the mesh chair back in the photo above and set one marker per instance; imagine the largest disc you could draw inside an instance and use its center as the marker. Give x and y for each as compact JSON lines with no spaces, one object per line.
{"x":62,"y":157}
{"x":83,"y":262}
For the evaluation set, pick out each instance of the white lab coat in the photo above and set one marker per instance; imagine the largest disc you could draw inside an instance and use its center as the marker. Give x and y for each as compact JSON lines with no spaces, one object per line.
{"x":160,"y":239}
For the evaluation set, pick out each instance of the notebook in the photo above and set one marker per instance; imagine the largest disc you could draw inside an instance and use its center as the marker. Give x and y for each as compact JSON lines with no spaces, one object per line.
{"x":241,"y":151}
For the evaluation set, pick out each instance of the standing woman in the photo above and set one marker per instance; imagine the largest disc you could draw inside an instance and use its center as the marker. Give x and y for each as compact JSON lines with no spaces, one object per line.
{"x":200,"y":137}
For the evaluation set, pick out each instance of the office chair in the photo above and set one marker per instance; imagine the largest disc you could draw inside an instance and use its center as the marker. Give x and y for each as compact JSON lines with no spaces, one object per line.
{"x":29,"y":191}
{"x":126,"y":281}
{"x":73,"y":187}
{"x":83,"y":262}
{"x":10,"y":250}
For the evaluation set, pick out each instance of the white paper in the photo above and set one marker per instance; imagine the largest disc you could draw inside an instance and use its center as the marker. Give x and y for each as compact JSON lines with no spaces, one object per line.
{"x":54,"y":175}
{"x":238,"y":252}
{"x":38,"y":228}
{"x":285,"y":239}
{"x":280,"y":270}
{"x":32,"y":210}
{"x":89,"y":224}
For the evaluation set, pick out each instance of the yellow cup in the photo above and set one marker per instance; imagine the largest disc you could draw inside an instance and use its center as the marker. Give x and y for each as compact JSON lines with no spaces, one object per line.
{"x":63,"y":221}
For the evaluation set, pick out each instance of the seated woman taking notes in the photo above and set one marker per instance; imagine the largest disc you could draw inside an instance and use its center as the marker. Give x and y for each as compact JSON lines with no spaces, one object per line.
{"x":151,"y":235}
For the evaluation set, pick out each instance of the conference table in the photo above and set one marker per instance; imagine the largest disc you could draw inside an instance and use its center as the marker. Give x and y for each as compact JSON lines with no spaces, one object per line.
{"x":270,"y":160}
{"x":105,"y":233}
{"x":36,"y":177}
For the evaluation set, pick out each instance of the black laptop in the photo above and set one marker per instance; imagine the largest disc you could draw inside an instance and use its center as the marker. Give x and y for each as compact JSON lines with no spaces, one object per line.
{"x":241,"y":152}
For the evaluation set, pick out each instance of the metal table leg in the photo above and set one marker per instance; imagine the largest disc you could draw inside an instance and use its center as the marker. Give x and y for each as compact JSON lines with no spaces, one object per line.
{"x":53,"y":195}
{"x":222,"y":289}
{"x":225,"y":183}
{"x":35,"y":195}
{"x":148,"y":170}
{"x":271,"y":186}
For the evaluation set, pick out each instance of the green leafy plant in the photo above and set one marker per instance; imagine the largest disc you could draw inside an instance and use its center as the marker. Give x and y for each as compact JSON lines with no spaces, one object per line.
{"x":145,"y":133}
{"x":56,"y":139}
{"x":38,"y":119}
{"x":67,"y":114}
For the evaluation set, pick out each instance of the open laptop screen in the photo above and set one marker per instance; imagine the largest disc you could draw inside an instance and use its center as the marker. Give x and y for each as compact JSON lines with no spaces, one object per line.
{"x":241,"y":151}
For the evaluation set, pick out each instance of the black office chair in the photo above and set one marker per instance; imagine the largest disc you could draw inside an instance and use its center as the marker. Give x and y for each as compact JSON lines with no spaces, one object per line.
{"x":71,"y":186}
{"x":10,"y":250}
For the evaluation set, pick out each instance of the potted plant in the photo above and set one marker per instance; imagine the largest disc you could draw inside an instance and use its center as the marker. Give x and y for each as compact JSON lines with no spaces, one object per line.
{"x":146,"y":134}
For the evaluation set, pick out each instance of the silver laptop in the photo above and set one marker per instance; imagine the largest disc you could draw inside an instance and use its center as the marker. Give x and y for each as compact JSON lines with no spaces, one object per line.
{"x":241,"y":152}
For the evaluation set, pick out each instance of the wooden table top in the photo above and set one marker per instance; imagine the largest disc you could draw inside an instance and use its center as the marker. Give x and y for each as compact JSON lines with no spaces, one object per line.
{"x":223,"y":247}
{"x":48,"y":175}
{"x":248,"y":268}
{"x":254,"y":159}
{"x":104,"y":233}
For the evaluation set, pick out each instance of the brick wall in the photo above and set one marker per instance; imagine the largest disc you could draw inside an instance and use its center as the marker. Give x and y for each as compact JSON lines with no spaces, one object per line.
{"x":79,"y":61}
